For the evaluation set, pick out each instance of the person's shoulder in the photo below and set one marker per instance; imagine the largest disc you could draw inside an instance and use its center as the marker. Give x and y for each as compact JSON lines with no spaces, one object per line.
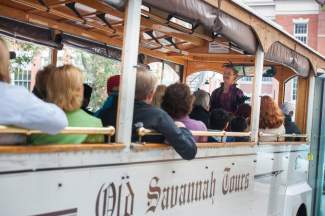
{"x":216,"y":90}
{"x":199,"y":124}
{"x":88,"y":119}
{"x":13,"y":89}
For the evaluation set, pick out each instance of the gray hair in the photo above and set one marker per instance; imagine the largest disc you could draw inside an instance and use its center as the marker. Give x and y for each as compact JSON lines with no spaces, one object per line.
{"x":146,"y":82}
{"x":202,"y":98}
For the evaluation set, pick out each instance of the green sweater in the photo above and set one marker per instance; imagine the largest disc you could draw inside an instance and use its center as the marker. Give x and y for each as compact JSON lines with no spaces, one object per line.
{"x":78,"y":118}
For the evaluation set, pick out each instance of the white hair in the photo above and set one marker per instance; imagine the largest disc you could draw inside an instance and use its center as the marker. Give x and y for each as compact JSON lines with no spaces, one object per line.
{"x":202,"y":98}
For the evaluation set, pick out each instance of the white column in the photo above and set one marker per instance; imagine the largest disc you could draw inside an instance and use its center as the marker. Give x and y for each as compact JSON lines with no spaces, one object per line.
{"x":310,"y":104}
{"x":128,"y":75}
{"x":257,"y":87}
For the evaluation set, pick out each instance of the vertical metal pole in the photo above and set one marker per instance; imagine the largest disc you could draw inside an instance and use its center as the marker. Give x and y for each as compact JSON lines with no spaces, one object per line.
{"x":257,"y":87}
{"x":128,"y":75}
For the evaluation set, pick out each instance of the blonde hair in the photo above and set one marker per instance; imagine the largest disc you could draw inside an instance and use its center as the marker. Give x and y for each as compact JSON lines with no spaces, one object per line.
{"x":146,"y":82}
{"x":65,"y":87}
{"x":4,"y":61}
{"x":159,"y":94}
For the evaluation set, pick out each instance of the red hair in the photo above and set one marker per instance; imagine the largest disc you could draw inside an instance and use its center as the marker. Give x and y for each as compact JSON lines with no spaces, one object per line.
{"x":271,"y":115}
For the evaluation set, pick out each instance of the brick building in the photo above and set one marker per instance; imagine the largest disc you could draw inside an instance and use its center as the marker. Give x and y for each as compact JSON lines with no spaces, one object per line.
{"x":304,"y":19}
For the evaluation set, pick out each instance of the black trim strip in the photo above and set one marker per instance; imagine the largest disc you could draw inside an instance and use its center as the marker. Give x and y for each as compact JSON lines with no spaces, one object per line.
{"x":66,"y":212}
{"x":269,"y":174}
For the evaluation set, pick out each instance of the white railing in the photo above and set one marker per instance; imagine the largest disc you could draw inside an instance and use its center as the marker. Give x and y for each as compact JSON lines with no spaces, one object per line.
{"x":147,"y":132}
{"x":283,"y":136}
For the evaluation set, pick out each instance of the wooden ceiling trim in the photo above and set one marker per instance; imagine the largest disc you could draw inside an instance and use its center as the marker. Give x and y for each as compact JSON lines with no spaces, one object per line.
{"x":74,"y":30}
{"x":63,"y":15}
{"x":160,"y":26}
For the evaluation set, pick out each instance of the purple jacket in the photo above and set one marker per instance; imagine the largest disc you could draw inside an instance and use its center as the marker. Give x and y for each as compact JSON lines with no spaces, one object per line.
{"x":194,"y":125}
{"x":228,"y":101}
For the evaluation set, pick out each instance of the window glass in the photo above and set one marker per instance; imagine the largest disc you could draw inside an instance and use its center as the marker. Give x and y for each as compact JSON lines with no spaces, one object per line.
{"x":166,"y":74}
{"x":290,"y":94}
{"x":181,"y":22}
{"x":205,"y":80}
{"x":270,"y":86}
{"x":301,"y":31}
{"x":96,"y":70}
{"x":29,"y":59}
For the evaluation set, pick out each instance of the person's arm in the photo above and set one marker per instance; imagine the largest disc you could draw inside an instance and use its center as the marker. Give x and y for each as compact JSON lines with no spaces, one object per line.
{"x":180,"y":138}
{"x":39,"y":115}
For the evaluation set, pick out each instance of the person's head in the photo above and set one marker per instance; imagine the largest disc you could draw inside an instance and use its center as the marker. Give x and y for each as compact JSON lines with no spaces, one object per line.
{"x":146,"y":82}
{"x":229,"y":75}
{"x":159,"y":93}
{"x":288,"y":108}
{"x":113,"y":84}
{"x":244,"y":110}
{"x":41,"y":81}
{"x":4,"y":62}
{"x":238,"y":124}
{"x":270,"y":116}
{"x":87,"y":95}
{"x":65,"y":88}
{"x":202,"y":98}
{"x":178,"y":100}
{"x":219,"y":119}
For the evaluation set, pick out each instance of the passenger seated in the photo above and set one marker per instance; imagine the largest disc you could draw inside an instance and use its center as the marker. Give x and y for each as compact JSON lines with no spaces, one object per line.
{"x":271,"y":120}
{"x":113,"y":84}
{"x":244,"y":110}
{"x":159,"y":93}
{"x":148,"y":116}
{"x":201,"y":107}
{"x":238,"y":124}
{"x":219,"y":121}
{"x":86,"y":99}
{"x":41,"y":81}
{"x":178,"y":103}
{"x":20,"y":108}
{"x":65,"y":88}
{"x":290,"y":126}
{"x":108,"y":113}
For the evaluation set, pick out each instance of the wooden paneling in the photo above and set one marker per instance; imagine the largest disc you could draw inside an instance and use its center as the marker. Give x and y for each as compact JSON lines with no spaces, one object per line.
{"x":302,"y":103}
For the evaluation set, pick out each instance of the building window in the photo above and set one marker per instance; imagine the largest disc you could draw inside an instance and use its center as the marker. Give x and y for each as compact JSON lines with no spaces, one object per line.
{"x":29,"y":59}
{"x":22,"y":78}
{"x":301,"y":32}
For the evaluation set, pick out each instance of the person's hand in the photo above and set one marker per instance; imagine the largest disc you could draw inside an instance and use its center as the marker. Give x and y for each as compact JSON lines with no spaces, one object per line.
{"x":179,"y":124}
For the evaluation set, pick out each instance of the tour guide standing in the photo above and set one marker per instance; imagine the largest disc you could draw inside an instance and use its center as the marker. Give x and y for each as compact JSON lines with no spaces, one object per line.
{"x":227,"y":96}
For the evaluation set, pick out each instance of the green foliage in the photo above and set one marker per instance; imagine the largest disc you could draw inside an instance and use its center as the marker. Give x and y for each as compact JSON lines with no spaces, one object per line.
{"x":97,"y":69}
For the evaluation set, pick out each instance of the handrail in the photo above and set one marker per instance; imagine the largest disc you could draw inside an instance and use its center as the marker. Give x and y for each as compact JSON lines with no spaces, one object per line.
{"x":152,"y":146}
{"x":145,"y":132}
{"x":59,"y":148}
{"x":110,"y":131}
{"x":261,"y":134}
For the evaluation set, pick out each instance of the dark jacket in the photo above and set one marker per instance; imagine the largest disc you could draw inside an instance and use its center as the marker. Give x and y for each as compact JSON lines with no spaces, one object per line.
{"x":156,"y":119}
{"x":291,"y":128}
{"x":200,"y":114}
{"x":236,"y":98}
{"x":108,"y":115}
